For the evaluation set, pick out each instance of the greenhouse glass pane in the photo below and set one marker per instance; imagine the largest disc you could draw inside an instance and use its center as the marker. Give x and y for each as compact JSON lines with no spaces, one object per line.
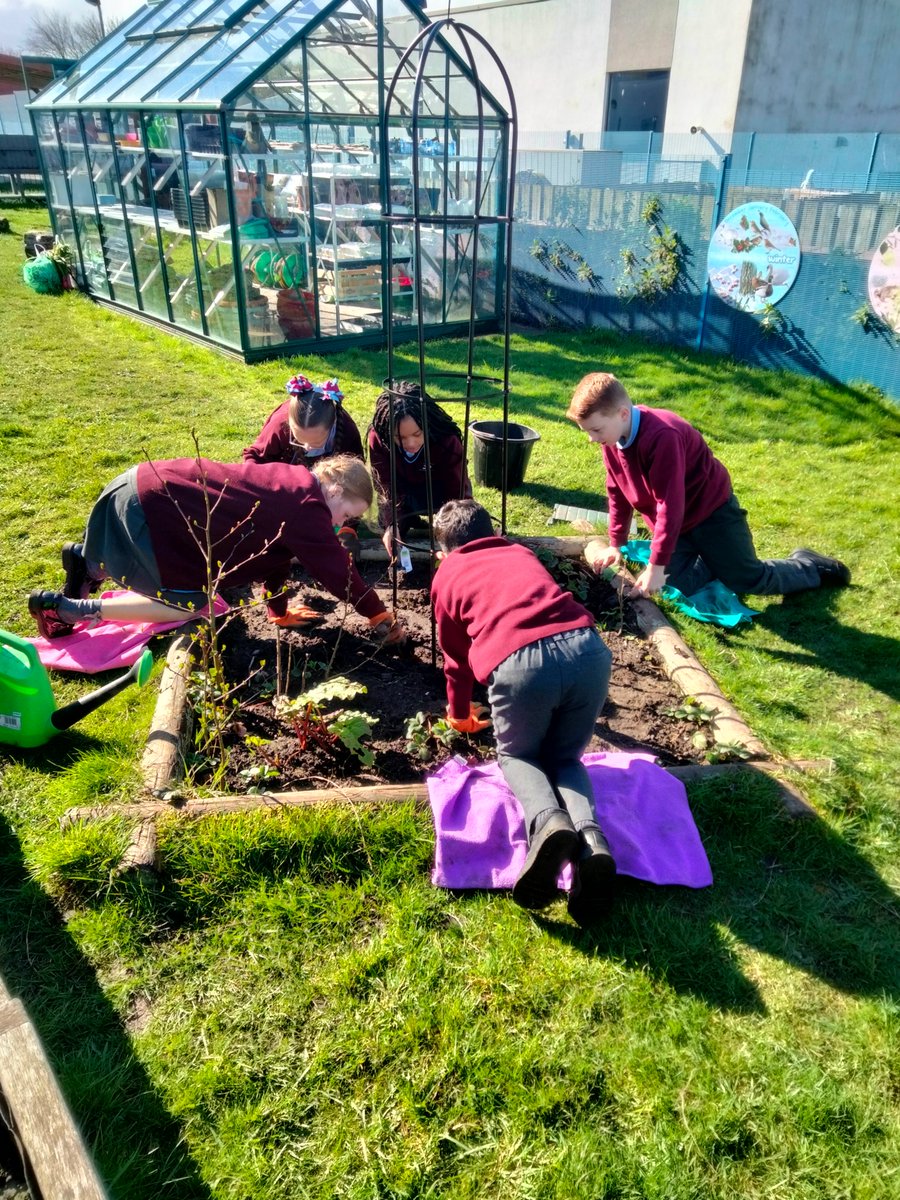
{"x":263,"y":48}
{"x":143,"y":86}
{"x":340,"y":98}
{"x":217,"y":49}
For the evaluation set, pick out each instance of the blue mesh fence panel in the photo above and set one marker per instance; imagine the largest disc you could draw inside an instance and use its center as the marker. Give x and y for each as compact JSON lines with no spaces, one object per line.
{"x":579,"y":202}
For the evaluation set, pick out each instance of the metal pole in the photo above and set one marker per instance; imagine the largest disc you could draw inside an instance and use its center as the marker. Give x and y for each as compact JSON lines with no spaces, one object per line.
{"x":724,"y":167}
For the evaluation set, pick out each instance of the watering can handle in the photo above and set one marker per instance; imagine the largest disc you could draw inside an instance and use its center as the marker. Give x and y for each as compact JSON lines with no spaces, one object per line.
{"x":66,"y":716}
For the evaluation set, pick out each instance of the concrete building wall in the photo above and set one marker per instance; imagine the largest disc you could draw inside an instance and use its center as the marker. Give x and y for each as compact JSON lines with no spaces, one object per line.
{"x":707,"y":60}
{"x":818,"y":68}
{"x":555,"y":52}
{"x":641,"y":35}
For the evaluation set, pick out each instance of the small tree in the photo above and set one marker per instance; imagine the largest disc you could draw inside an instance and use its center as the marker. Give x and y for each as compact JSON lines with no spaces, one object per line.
{"x":64,"y":36}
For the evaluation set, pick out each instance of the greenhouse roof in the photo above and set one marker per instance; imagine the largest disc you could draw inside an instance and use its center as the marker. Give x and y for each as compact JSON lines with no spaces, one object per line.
{"x":202,"y":54}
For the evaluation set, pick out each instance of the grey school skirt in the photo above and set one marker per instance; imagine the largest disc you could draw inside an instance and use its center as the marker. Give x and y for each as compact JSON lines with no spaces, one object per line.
{"x":117,"y":545}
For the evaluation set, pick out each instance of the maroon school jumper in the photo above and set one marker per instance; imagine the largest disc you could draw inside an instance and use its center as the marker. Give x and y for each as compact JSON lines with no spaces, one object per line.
{"x":492,"y":597}
{"x":275,"y":444}
{"x":669,"y":475}
{"x":449,"y":480}
{"x":262,"y":517}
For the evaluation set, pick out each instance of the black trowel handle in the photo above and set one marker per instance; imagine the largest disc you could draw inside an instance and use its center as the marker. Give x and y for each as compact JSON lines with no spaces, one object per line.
{"x":66,"y":716}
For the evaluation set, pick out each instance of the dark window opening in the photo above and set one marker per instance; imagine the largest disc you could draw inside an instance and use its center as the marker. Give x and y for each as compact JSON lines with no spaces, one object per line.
{"x":637,"y":101}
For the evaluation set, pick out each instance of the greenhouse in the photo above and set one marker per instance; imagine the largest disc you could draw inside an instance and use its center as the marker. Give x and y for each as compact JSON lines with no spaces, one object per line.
{"x":234,"y":171}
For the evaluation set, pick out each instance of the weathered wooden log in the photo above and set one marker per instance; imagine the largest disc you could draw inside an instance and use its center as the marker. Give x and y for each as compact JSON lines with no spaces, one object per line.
{"x":378,"y":794}
{"x":170,"y":727}
{"x":142,"y":852}
{"x":565,"y":547}
{"x":56,"y":1154}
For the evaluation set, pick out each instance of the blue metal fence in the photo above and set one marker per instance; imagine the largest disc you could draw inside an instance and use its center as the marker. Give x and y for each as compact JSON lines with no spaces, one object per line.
{"x":578,"y":207}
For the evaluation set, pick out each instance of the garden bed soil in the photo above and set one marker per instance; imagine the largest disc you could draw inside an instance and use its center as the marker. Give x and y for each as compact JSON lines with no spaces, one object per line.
{"x":403,"y":681}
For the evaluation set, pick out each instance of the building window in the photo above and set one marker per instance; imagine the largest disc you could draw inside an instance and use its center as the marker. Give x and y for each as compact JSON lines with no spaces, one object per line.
{"x":637,"y":101}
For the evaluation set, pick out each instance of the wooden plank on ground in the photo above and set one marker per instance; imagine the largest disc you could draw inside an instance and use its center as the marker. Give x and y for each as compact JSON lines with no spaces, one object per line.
{"x":56,"y":1153}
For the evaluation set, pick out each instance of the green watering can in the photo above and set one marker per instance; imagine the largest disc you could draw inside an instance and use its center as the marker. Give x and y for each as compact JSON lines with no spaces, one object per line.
{"x":28,"y":713}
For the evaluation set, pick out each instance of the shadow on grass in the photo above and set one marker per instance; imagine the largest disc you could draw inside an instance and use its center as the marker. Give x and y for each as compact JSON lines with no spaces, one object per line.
{"x":136,"y":1145}
{"x":825,"y":641}
{"x":788,"y":888}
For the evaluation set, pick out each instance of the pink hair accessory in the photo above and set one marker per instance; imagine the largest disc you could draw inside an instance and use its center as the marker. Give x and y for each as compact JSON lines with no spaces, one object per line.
{"x":332,"y":389}
{"x":298,"y":385}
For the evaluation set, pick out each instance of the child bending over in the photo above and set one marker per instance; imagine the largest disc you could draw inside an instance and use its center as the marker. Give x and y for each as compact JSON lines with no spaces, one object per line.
{"x":148,"y":532}
{"x":449,"y":480}
{"x":502,"y":619}
{"x":658,"y":464}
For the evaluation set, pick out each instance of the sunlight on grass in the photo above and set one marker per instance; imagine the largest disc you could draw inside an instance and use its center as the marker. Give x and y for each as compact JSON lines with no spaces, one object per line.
{"x":290,"y":1010}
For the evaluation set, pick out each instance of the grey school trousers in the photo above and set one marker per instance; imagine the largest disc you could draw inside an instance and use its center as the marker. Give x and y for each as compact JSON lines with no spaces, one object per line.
{"x":545,"y":699}
{"x":721,"y":547}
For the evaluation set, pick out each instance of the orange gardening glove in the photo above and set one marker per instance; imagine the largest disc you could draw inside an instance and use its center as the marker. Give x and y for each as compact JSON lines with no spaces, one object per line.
{"x":296,"y":616}
{"x":473,"y":723}
{"x":388,"y":629}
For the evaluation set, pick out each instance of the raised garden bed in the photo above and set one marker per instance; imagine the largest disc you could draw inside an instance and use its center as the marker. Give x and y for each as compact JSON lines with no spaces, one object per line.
{"x":267,"y":749}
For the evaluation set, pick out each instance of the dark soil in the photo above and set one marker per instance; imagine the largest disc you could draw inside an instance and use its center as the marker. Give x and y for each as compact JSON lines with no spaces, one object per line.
{"x":401,"y":682}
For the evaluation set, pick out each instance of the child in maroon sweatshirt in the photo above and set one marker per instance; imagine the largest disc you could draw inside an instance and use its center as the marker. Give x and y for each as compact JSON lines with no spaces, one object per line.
{"x":502,"y":619}
{"x":658,"y":464}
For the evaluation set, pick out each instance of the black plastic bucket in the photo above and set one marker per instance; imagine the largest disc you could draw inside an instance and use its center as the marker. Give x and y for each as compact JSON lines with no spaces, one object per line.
{"x":487,"y":440}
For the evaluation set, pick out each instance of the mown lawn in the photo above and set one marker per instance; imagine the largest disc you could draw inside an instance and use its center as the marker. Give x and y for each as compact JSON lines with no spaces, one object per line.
{"x":292,"y":1011}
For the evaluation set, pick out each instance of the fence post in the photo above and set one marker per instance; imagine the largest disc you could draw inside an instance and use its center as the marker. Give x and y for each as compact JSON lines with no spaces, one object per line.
{"x":724,"y":166}
{"x":649,"y":155}
{"x":872,"y":160}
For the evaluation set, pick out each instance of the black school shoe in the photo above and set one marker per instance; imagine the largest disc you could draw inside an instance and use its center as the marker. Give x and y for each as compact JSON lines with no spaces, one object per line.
{"x":832,"y":572}
{"x":595,"y":871}
{"x":44,"y":607}
{"x":554,"y":843}
{"x":79,"y":584}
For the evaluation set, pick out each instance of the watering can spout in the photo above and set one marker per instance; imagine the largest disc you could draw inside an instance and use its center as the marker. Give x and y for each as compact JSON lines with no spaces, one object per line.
{"x":65,"y":718}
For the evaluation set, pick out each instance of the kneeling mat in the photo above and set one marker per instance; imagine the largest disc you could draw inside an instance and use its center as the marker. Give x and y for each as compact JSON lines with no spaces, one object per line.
{"x":642,"y":809}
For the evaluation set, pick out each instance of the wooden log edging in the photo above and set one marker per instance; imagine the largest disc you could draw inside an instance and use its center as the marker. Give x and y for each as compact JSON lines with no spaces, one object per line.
{"x":163,"y":757}
{"x":57,"y":1156}
{"x":145,"y":811}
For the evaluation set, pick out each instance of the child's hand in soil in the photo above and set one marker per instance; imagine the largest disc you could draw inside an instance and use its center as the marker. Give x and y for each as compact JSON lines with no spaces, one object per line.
{"x":599,"y":557}
{"x":473,"y":723}
{"x":295,"y":616}
{"x":387,"y":629}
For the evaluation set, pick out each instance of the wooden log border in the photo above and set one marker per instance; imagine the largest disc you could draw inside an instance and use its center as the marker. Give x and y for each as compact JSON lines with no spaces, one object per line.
{"x":57,"y":1158}
{"x":163,"y":757}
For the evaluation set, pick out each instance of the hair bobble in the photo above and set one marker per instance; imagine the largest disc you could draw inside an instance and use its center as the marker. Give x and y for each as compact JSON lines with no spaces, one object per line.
{"x":332,"y":389}
{"x":299,"y":385}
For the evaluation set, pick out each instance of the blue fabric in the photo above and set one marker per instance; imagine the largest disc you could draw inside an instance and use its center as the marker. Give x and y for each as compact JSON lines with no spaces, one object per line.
{"x":714,"y":603}
{"x":624,"y":443}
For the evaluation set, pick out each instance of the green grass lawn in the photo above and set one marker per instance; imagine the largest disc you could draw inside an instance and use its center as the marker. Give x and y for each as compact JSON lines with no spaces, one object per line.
{"x":292,"y":1011}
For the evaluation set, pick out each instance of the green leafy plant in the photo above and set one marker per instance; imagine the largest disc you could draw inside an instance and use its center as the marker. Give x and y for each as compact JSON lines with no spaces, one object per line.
{"x":259,"y":776}
{"x":692,"y":710}
{"x":567,"y":572}
{"x":727,"y":752}
{"x":424,"y":734}
{"x":771,"y":319}
{"x":313,"y":725}
{"x":656,"y":271}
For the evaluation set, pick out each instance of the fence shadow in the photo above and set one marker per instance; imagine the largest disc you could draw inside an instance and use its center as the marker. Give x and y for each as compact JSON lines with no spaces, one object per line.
{"x":790,"y":888}
{"x":137,"y":1146}
{"x":823,"y":640}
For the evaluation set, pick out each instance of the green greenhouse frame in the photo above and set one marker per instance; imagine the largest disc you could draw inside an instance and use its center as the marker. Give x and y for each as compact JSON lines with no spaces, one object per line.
{"x":219,"y":167}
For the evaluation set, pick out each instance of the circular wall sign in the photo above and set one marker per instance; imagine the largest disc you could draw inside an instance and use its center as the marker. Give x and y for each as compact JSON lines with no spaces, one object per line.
{"x":754,"y":257}
{"x":884,"y":281}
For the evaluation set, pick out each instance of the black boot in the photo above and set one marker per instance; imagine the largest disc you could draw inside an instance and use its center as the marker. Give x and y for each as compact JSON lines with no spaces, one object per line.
{"x":79,"y":582}
{"x":554,"y":843}
{"x":832,"y":572}
{"x":595,"y":870}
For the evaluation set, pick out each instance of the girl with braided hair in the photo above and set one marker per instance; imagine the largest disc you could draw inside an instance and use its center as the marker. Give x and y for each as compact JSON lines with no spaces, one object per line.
{"x":312,"y":424}
{"x":449,"y":480}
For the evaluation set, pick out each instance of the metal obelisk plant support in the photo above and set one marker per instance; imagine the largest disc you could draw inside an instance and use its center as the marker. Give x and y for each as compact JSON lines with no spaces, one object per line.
{"x":475,"y":221}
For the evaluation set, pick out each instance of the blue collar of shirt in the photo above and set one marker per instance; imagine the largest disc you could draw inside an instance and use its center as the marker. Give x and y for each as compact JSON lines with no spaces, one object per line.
{"x":624,"y":443}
